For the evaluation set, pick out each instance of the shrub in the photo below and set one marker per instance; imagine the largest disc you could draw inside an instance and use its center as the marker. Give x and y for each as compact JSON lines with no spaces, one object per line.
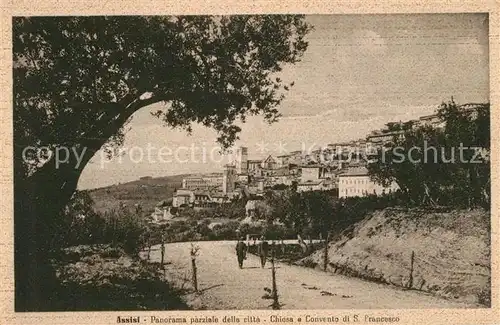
{"x":81,"y":225}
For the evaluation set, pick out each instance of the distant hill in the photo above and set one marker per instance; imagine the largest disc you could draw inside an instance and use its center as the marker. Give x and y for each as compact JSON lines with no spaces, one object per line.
{"x":147,"y":191}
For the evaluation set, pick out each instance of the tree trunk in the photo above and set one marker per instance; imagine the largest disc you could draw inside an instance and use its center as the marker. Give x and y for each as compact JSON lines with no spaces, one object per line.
{"x":39,"y":200}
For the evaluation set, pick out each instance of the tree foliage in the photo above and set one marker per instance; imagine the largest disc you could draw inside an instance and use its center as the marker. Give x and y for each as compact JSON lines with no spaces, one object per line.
{"x":78,"y":80}
{"x":307,"y":212}
{"x":447,"y":164}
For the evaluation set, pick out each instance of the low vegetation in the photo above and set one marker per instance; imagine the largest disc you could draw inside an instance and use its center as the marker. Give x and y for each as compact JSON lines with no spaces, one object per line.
{"x":95,"y":264}
{"x":123,"y":227}
{"x":104,"y":278}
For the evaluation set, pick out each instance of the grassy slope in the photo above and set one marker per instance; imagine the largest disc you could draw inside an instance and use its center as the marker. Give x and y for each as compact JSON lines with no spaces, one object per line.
{"x":451,"y":252}
{"x":145,"y":191}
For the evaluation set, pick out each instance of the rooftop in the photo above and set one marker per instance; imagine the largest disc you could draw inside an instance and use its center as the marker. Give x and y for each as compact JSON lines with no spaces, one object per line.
{"x":309,"y":183}
{"x":204,"y":193}
{"x":428,"y":117}
{"x":383,"y":134}
{"x":269,"y":158}
{"x":311,"y":166}
{"x":357,"y":171}
{"x":182,"y":194}
{"x":218,"y":195}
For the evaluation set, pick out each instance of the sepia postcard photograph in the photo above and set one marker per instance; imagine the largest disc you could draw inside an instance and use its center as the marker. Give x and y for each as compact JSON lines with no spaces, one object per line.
{"x":164,"y":167}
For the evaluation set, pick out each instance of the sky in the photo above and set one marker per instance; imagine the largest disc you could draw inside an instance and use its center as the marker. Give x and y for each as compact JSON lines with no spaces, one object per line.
{"x":358,"y":73}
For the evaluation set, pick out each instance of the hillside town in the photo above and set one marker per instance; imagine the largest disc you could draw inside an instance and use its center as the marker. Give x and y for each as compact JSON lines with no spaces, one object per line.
{"x":339,"y":166}
{"x":250,"y":162}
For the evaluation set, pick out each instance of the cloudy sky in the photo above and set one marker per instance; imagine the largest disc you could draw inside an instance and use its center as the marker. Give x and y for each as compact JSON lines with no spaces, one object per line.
{"x":359,"y":72}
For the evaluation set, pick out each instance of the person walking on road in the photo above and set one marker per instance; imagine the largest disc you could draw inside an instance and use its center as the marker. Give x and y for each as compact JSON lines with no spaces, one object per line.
{"x":241,"y":251}
{"x":263,"y":251}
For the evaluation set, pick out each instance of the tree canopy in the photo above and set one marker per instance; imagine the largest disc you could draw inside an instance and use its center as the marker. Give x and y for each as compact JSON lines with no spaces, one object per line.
{"x":78,"y":80}
{"x":446,"y":164}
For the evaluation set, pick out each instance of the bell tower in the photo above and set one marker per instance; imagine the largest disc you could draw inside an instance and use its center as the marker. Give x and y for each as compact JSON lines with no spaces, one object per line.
{"x":241,"y":160}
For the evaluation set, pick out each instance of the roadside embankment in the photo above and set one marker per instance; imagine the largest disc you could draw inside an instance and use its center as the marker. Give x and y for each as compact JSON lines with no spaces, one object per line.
{"x":444,"y":253}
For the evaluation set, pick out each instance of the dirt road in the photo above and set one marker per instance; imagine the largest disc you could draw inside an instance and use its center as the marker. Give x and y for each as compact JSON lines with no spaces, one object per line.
{"x":224,"y":286}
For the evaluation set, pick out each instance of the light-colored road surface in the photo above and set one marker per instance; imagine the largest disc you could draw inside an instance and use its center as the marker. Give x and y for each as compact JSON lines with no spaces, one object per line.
{"x":224,"y":286}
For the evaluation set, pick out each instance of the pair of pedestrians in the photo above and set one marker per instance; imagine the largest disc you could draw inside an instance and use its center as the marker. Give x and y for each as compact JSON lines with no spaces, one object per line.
{"x":242,"y":249}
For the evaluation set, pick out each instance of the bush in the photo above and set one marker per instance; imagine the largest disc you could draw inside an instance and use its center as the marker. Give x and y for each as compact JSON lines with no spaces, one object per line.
{"x":225,"y":231}
{"x":81,"y":225}
{"x":232,"y":210}
{"x":276,"y":232}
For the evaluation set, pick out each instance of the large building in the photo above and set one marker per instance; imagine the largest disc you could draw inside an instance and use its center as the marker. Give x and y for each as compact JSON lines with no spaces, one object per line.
{"x":254,"y":166}
{"x":379,"y":139}
{"x":196,"y":198}
{"x":283,"y":160}
{"x":193,"y":182}
{"x":245,"y":166}
{"x":183,"y":197}
{"x":269,"y":163}
{"x":357,"y":182}
{"x":318,"y":185}
{"x":311,"y":173}
{"x":430,"y":120}
{"x":203,"y":182}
